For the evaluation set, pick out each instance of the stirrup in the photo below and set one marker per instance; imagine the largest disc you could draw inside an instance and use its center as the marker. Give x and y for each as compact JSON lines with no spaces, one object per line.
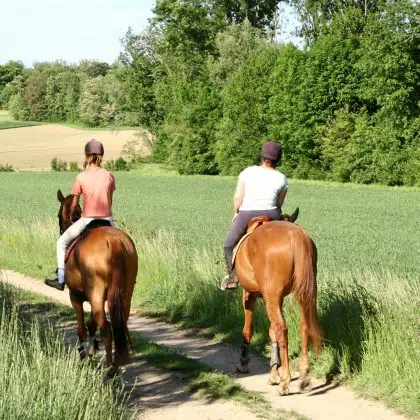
{"x":55,"y":284}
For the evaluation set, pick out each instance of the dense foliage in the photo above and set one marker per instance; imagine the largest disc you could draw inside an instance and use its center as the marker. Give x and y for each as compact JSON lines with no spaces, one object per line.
{"x":209,"y":79}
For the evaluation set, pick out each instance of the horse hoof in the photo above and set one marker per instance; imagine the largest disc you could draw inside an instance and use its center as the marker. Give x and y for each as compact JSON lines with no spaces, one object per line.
{"x":283,"y":389}
{"x":93,"y":347}
{"x":274,"y":378}
{"x":242,"y":369}
{"x":305,"y":385}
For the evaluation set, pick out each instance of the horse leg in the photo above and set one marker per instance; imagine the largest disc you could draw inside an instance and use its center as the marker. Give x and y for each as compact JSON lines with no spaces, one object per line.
{"x":305,"y":380}
{"x":77,"y":304}
{"x":274,"y":378}
{"x":93,"y":342}
{"x":98,"y":312}
{"x":248,"y":302}
{"x":278,"y":331}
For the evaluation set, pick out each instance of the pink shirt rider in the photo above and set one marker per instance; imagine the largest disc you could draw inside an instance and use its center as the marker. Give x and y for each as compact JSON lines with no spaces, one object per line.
{"x":96,"y":186}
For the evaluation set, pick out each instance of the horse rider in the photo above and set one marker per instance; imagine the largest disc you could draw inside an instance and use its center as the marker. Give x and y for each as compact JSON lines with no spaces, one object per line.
{"x":260,"y":191}
{"x":96,"y":185}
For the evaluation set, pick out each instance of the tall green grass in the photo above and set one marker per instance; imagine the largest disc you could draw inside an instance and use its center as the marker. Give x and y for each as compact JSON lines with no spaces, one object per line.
{"x":368,"y":265}
{"x":40,"y":378}
{"x":370,"y":318}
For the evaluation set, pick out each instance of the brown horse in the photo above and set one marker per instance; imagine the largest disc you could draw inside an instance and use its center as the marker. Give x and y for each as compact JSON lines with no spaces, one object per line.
{"x":279,"y":258}
{"x":101,"y":267}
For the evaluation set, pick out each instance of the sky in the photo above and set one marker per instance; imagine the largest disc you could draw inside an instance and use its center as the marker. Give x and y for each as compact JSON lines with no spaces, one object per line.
{"x":72,"y":30}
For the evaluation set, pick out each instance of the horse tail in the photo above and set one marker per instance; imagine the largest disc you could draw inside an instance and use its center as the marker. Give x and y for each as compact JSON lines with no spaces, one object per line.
{"x":304,"y":283}
{"x":116,"y":303}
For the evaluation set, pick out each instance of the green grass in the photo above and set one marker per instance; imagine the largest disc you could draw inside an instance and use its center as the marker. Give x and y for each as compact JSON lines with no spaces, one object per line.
{"x":7,"y":122}
{"x":81,"y":126}
{"x":40,"y":377}
{"x":368,"y":264}
{"x":197,"y":376}
{"x":17,"y":124}
{"x":4,"y":115}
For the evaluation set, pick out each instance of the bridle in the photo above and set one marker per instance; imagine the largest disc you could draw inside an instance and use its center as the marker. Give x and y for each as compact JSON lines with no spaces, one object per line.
{"x":60,"y":216}
{"x":60,"y":220}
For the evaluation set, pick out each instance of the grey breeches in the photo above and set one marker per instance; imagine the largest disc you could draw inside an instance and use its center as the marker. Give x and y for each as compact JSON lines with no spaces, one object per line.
{"x":239,"y":226}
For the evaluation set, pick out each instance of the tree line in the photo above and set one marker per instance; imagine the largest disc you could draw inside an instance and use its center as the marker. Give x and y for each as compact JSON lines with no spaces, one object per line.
{"x":212,"y":82}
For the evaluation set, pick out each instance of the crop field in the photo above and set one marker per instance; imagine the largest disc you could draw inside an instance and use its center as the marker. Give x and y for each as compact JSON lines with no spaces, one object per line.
{"x":32,"y":148}
{"x":369,"y":277}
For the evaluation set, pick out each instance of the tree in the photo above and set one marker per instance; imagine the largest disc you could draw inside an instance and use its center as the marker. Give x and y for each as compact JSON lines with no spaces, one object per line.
{"x":260,"y":13}
{"x":242,"y":73}
{"x":63,"y":96}
{"x":9,"y":71}
{"x":390,"y":62}
{"x":15,"y":87}
{"x":98,"y":101}
{"x":136,"y":73}
{"x":94,"y":68}
{"x":317,"y":16}
{"x":34,"y":98}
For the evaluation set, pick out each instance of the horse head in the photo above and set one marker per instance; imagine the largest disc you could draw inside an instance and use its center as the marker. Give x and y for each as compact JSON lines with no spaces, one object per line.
{"x":64,"y":219}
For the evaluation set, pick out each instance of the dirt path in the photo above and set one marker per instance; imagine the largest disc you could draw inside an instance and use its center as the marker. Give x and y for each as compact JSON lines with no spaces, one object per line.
{"x":325,"y":401}
{"x":158,"y":395}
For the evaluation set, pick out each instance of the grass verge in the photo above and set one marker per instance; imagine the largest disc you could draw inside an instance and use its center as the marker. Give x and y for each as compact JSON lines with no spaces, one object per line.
{"x":199,"y":377}
{"x":40,"y":376}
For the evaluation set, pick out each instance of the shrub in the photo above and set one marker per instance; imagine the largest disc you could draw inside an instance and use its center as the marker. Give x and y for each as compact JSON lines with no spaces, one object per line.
{"x":58,"y":165}
{"x":6,"y":168}
{"x":117,"y":165}
{"x":74,"y":167}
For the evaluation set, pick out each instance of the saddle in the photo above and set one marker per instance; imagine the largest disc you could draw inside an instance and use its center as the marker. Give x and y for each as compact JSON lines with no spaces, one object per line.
{"x":96,"y":223}
{"x":253,"y":224}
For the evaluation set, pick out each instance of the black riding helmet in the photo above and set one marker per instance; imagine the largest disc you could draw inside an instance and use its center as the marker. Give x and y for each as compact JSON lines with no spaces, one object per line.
{"x":94,"y":147}
{"x":271,"y":151}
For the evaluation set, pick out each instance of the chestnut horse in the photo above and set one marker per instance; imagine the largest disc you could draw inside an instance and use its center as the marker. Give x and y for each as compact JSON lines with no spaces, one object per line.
{"x":276,"y":259}
{"x":101,"y":267}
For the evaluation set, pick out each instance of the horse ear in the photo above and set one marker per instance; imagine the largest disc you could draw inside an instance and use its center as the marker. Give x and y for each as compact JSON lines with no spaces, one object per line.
{"x":294,"y":215}
{"x":60,"y":196}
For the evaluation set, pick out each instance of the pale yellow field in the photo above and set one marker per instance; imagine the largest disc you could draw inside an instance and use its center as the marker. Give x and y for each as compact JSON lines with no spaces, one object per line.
{"x":32,"y":148}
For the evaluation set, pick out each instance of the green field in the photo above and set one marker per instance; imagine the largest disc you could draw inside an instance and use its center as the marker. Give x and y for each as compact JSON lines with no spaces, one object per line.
{"x":16,"y":124}
{"x":7,"y":122}
{"x":369,"y":278}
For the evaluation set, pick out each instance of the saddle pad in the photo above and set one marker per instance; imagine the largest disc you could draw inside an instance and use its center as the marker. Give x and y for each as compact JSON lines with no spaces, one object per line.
{"x":235,"y":250}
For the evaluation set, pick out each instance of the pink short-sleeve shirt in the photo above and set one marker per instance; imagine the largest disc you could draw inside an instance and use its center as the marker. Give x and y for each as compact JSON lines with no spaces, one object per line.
{"x":96,"y":186}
